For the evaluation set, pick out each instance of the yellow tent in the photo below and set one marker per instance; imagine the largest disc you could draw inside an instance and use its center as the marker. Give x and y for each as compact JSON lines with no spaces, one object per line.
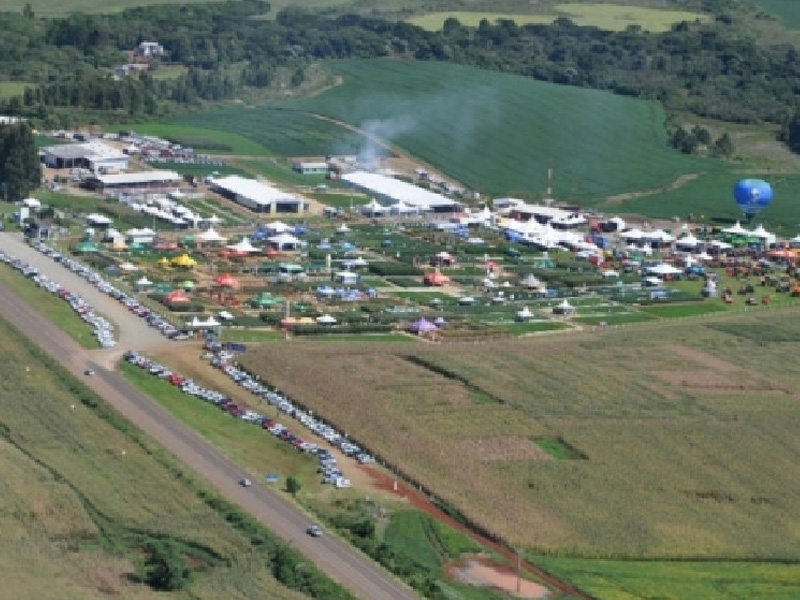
{"x":184,"y":260}
{"x":163,"y":262}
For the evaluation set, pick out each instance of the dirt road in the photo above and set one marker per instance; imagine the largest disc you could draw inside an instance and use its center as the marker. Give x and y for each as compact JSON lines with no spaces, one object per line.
{"x":336,"y":558}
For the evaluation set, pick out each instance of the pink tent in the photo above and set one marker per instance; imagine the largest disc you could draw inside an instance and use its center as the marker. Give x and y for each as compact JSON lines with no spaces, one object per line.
{"x":422,"y":326}
{"x":226,"y":280}
{"x":177,"y":297}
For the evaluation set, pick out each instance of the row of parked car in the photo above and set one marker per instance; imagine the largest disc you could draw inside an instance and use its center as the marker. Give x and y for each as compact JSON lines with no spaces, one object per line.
{"x":132,"y":304}
{"x":223,"y":360}
{"x":103,"y":330}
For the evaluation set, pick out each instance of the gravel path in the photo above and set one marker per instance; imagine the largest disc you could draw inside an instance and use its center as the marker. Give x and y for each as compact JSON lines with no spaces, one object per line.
{"x":344,"y":564}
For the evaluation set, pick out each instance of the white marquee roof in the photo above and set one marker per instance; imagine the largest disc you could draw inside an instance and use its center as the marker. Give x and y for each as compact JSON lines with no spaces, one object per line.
{"x":257,"y":192}
{"x":399,"y":191}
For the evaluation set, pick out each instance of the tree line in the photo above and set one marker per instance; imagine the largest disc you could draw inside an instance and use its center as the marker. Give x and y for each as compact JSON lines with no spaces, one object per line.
{"x":20,"y":171}
{"x":714,"y":69}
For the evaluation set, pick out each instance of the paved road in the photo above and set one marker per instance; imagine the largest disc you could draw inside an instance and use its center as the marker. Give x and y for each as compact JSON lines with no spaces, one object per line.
{"x":336,"y":558}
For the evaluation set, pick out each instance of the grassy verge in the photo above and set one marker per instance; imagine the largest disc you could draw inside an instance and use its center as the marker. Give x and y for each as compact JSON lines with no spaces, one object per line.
{"x":53,"y":308}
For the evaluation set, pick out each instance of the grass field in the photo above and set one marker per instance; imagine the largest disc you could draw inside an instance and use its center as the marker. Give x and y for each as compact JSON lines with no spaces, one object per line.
{"x":686,"y":429}
{"x":788,"y":11}
{"x":83,"y":493}
{"x":605,"y":16}
{"x":12,"y":88}
{"x":678,"y":580}
{"x":206,"y":138}
{"x":478,"y":127}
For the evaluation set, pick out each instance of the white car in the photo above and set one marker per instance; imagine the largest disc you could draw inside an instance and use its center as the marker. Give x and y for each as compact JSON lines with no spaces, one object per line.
{"x":244,"y":482}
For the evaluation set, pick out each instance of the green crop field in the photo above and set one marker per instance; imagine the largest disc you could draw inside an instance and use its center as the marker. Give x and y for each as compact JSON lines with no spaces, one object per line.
{"x":788,"y":11}
{"x":498,"y":133}
{"x":269,"y":131}
{"x":709,"y":197}
{"x":206,"y":136}
{"x":84,"y":493}
{"x":678,"y":580}
{"x":683,"y":432}
{"x":611,"y":17}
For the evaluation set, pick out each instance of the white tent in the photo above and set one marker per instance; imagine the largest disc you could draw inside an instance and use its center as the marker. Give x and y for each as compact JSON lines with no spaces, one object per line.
{"x":212,"y":220}
{"x":277,"y":227}
{"x":766,"y":236}
{"x":127,"y":266}
{"x":343,"y":228}
{"x":736,"y":230}
{"x":632,"y":234}
{"x":210,"y":322}
{"x":565,"y":308}
{"x":721,"y":245}
{"x":142,"y":284}
{"x":283,"y":241}
{"x":531,"y":281}
{"x":326,"y":320}
{"x":660,"y":236}
{"x":210,"y":235}
{"x":355,"y":263}
{"x":373,"y":209}
{"x":524,"y":314}
{"x":31,"y":203}
{"x":244,"y":246}
{"x":225,"y":315}
{"x":663,"y":269}
{"x":688,"y":241}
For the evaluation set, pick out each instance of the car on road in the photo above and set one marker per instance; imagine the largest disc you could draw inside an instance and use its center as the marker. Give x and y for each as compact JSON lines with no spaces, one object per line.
{"x":244,"y":482}
{"x":314,"y":531}
{"x":89,"y":372}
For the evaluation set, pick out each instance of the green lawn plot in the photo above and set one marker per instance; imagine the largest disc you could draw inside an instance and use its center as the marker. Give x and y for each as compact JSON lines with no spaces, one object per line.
{"x":52,"y":307}
{"x":359,"y":337}
{"x":533,"y":327}
{"x":74,"y":205}
{"x":709,"y":197}
{"x":342,"y":200}
{"x":230,"y":334}
{"x":477,"y":126}
{"x":787,"y":11}
{"x":12,"y":88}
{"x":604,"y":16}
{"x":678,"y":580}
{"x":84,"y":493}
{"x":202,"y":135}
{"x":673,"y":311}
{"x":623,"y":318}
{"x":274,"y":131}
{"x":248,"y":445}
{"x":198,"y":169}
{"x":166,"y":72}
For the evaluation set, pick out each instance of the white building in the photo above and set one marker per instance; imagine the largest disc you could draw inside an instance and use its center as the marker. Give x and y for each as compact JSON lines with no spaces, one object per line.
{"x":393,"y":191}
{"x":149,"y":49}
{"x":95,"y":156}
{"x":258,"y":196}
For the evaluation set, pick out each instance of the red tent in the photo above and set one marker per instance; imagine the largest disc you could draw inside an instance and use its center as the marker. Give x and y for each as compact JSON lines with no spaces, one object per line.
{"x":176,"y":297}
{"x":226,"y":280}
{"x":436,"y":278}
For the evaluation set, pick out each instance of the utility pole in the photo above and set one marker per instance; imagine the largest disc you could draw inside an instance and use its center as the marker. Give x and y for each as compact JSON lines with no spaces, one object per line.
{"x":519,"y":572}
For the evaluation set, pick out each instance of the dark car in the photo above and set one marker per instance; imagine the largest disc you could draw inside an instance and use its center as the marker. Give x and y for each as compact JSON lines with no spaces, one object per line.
{"x":314,"y":531}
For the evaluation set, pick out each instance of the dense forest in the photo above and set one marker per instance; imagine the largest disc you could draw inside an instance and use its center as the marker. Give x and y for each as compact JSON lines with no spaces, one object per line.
{"x":20,"y":171}
{"x":713,"y":69}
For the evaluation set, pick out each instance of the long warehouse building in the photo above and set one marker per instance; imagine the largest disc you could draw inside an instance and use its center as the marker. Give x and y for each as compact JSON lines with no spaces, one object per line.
{"x":387,"y":189}
{"x":256,"y":195}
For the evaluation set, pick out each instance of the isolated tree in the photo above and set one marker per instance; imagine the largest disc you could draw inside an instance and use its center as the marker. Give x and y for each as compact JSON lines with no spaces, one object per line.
{"x":166,"y":569}
{"x":292,"y":486}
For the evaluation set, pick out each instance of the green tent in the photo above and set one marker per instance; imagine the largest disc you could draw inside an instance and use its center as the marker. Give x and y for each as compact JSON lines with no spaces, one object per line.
{"x":162,"y":288}
{"x":85,"y":248}
{"x":187,"y":239}
{"x":265,"y":299}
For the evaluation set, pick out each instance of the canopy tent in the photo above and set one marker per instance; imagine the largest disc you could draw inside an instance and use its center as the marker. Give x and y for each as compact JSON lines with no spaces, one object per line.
{"x":163,"y":262}
{"x":439,"y":321}
{"x":736,"y":230}
{"x":326,"y":319}
{"x":761,"y":233}
{"x":659,"y":236}
{"x":31,"y":203}
{"x":188,"y":240}
{"x":210,"y":236}
{"x":524,"y":314}
{"x":128,"y":266}
{"x":142,"y":284}
{"x":662,"y":269}
{"x":183,"y":261}
{"x":226,"y":316}
{"x":243,"y":246}
{"x":531,"y":282}
{"x":373,"y":208}
{"x":265,"y":299}
{"x":342,"y":229}
{"x":276,"y":227}
{"x":401,"y":208}
{"x":565,"y":308}
{"x":176,"y":297}
{"x":165,"y":246}
{"x":197,"y":323}
{"x":85,"y":248}
{"x":188,"y":285}
{"x":326,"y":291}
{"x":284,"y":241}
{"x":436,"y":278}
{"x":355,"y":263}
{"x":226,"y":280}
{"x":688,"y":241}
{"x":720,"y":245}
{"x":212,"y":220}
{"x":421,"y":326}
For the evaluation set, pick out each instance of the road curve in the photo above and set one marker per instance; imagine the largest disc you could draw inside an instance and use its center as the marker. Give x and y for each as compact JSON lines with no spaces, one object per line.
{"x":340,"y":561}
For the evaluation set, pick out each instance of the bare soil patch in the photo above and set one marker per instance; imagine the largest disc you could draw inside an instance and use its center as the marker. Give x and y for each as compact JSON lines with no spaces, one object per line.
{"x":480,"y":572}
{"x":678,"y":183}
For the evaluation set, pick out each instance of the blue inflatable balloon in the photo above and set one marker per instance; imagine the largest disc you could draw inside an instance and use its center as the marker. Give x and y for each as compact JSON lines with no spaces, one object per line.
{"x":752,"y":196}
